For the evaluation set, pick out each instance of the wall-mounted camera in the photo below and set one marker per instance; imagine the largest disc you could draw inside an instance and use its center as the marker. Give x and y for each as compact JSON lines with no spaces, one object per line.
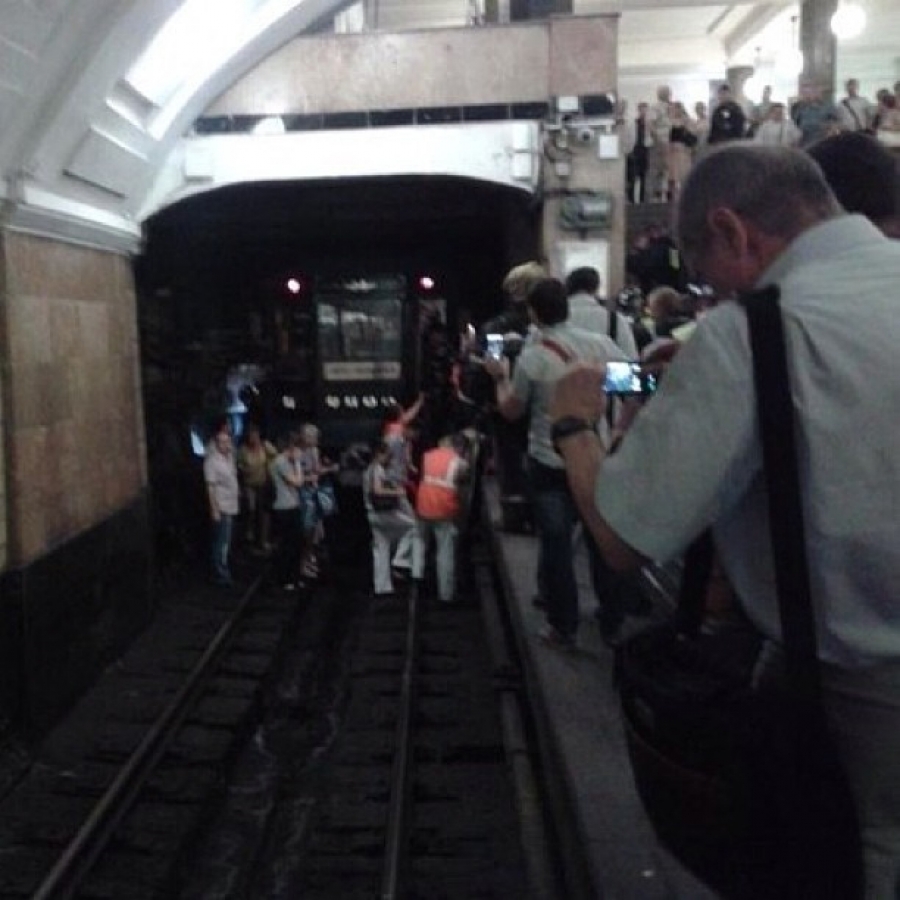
{"x":584,"y":134}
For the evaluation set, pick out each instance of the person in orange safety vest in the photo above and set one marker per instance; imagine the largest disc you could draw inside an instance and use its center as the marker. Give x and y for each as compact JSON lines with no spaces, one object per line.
{"x":438,"y":508}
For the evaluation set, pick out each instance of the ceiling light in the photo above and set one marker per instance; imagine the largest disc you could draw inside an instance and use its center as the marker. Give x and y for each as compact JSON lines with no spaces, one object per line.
{"x":848,"y":21}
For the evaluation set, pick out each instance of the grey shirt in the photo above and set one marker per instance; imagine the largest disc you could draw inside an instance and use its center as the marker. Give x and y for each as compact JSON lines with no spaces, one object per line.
{"x":693,"y":459}
{"x":590,"y":314}
{"x":286,"y":495}
{"x":538,"y":370}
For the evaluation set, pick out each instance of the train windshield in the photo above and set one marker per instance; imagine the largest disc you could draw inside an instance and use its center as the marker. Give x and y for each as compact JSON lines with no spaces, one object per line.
{"x":360,"y":333}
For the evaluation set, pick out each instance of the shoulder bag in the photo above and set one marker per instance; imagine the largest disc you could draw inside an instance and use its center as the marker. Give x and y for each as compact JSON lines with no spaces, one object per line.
{"x":744,"y":784}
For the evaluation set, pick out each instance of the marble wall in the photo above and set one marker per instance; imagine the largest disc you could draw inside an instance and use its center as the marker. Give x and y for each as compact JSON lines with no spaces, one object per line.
{"x":507,"y":64}
{"x":522,"y":63}
{"x":72,"y":404}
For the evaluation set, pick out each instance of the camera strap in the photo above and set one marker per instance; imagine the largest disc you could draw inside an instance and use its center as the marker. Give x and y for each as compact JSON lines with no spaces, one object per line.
{"x":565,"y":355}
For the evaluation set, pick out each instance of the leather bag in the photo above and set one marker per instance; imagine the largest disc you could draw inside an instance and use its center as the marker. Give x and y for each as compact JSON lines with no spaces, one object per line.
{"x":384,"y":502}
{"x":744,"y":785}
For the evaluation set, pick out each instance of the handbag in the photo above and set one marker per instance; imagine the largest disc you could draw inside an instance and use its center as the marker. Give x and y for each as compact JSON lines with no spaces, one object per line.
{"x":744,"y":784}
{"x":326,"y":501}
{"x":384,"y":502}
{"x":681,"y":135}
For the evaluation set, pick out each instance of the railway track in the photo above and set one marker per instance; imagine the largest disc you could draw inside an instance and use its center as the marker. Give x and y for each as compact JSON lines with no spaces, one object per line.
{"x":112,"y":823}
{"x":388,"y":756}
{"x":425,"y":788}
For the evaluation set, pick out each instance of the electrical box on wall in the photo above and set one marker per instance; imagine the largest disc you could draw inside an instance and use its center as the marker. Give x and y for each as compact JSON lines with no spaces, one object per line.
{"x":568,"y":104}
{"x":586,"y":211}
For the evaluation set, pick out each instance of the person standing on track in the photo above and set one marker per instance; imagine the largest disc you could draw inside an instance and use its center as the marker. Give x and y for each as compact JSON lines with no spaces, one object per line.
{"x":438,"y":509}
{"x":223,"y":492}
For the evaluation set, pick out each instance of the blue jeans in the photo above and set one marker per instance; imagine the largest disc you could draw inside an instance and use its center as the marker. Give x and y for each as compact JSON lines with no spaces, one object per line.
{"x":221,"y":544}
{"x":556,"y":515}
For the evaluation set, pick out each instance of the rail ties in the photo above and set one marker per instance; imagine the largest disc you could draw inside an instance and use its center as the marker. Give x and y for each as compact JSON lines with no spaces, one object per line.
{"x":398,"y":827}
{"x":94,"y":836}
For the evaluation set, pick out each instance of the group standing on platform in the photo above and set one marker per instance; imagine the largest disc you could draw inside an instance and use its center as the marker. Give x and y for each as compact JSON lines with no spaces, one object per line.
{"x":662,"y":140}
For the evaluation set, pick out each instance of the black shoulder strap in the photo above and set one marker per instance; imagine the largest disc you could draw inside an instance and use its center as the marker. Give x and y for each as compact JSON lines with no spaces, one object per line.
{"x":776,"y":425}
{"x":612,"y":329}
{"x":698,"y":559}
{"x":852,"y":111}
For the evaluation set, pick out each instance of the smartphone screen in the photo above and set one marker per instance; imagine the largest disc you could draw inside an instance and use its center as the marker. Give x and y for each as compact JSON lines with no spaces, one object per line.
{"x":494,"y":346}
{"x":628,"y":379}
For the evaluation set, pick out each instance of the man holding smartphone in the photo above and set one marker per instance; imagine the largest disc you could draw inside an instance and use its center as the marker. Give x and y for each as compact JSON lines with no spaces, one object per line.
{"x":510,"y":438}
{"x":752,"y":216}
{"x":527,"y":394}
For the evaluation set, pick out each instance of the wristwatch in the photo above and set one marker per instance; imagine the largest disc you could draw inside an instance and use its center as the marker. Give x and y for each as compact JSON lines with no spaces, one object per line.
{"x":566,"y":427}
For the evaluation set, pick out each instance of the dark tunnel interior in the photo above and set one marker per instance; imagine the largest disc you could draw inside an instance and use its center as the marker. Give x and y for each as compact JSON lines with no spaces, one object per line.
{"x":232,"y":288}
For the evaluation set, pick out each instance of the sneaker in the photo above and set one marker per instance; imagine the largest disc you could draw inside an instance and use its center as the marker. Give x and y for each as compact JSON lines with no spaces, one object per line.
{"x":553,"y":638}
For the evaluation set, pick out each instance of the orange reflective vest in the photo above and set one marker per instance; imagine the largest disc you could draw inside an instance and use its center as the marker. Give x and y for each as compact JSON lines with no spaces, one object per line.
{"x":438,"y":497}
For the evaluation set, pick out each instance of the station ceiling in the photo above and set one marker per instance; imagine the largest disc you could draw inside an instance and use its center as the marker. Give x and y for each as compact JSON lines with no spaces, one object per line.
{"x":68,"y":102}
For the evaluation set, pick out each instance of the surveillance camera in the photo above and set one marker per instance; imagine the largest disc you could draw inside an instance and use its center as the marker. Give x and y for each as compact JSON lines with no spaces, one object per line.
{"x":585,"y":134}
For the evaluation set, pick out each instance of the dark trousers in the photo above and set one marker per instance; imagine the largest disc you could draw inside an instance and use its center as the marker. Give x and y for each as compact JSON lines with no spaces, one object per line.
{"x":289,"y":535}
{"x":556,"y":515}
{"x":636,"y":174}
{"x":510,"y":443}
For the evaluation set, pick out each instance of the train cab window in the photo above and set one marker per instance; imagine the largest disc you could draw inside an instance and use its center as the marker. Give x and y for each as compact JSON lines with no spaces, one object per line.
{"x":358,"y":329}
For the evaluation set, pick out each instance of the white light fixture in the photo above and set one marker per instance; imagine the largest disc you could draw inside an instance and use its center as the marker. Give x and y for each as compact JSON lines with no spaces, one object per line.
{"x":848,"y":21}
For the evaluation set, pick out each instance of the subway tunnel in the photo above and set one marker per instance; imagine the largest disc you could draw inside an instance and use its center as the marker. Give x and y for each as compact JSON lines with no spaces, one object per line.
{"x":212,"y":285}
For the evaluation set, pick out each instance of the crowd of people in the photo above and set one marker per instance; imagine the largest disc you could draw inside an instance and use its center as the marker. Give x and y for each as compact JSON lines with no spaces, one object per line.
{"x":663,"y":139}
{"x":414,"y":496}
{"x":409,"y":506}
{"x":819,"y":226}
{"x":282,"y":495}
{"x":642,"y":476}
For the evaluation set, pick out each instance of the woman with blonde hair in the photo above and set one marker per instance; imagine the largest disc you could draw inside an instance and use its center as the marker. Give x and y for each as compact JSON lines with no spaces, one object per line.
{"x":253,"y":458}
{"x":520,"y":279}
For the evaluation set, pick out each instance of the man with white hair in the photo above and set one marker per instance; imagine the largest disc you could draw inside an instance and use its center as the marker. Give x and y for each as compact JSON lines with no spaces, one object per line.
{"x":753,"y":216}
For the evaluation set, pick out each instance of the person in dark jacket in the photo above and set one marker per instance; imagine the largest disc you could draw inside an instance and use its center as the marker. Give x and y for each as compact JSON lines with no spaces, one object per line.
{"x":728,"y":121}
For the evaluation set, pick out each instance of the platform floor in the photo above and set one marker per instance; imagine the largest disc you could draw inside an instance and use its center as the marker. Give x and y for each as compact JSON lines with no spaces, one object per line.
{"x":597,"y":806}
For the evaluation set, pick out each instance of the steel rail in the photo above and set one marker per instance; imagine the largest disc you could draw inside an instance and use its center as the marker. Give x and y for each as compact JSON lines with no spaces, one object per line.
{"x":396,"y":841}
{"x":92,"y":837}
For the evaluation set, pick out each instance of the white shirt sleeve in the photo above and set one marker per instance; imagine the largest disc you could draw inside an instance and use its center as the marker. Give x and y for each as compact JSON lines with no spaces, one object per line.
{"x":692,"y":452}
